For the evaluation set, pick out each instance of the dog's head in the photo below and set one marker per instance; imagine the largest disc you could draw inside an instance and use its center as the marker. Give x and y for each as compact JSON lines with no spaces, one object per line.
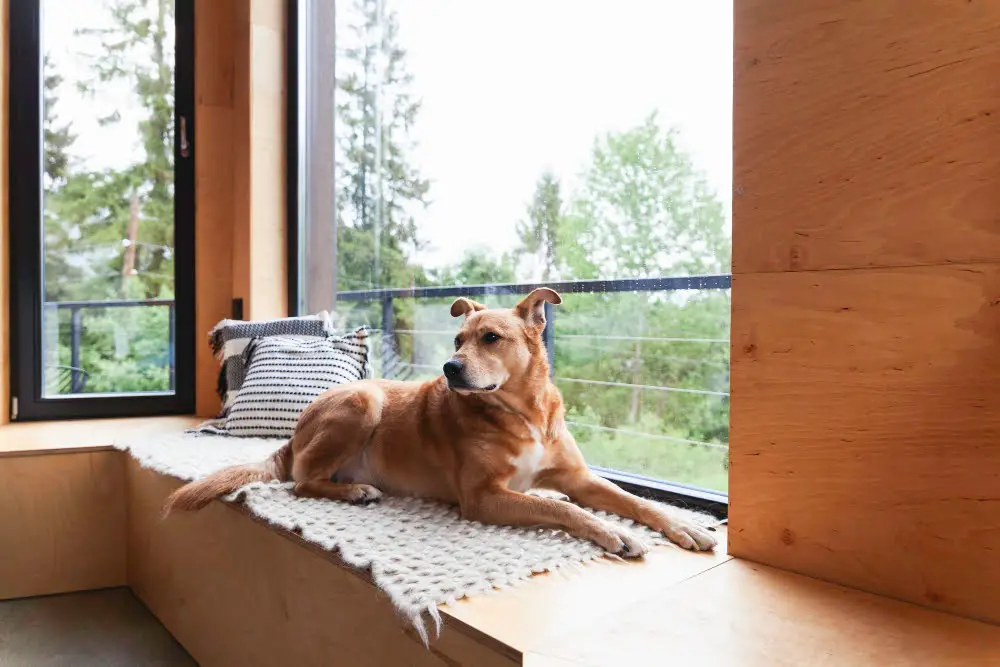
{"x":496,"y":346}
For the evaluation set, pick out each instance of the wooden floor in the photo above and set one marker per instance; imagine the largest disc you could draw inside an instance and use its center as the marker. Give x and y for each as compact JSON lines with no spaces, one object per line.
{"x":675,"y":606}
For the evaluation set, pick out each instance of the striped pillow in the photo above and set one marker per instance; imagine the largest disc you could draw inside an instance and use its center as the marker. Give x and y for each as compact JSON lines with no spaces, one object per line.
{"x":285,"y":374}
{"x":230,"y":339}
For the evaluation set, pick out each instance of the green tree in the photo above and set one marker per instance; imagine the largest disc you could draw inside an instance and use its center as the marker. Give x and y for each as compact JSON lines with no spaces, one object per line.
{"x":539,"y":233}
{"x":378,"y":187}
{"x":643,"y":211}
{"x":136,"y":48}
{"x":109,"y":233}
{"x":477,"y":267}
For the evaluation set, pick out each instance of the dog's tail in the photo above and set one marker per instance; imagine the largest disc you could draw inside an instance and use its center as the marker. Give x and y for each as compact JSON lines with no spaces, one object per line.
{"x":197,"y":494}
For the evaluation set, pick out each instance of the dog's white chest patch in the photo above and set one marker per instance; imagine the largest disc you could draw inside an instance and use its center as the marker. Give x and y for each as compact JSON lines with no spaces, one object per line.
{"x":528,"y":463}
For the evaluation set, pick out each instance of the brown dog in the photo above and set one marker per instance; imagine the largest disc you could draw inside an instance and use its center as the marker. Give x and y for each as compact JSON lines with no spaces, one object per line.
{"x":480,"y":436}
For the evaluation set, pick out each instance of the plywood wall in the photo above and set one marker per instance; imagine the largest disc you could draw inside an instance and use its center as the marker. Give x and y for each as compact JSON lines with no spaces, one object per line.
{"x":866,"y":296}
{"x":215,"y":187}
{"x":240,"y":166}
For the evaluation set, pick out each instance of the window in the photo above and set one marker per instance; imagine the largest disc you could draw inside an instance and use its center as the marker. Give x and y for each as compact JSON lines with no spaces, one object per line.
{"x":480,"y":148}
{"x":101,"y":207}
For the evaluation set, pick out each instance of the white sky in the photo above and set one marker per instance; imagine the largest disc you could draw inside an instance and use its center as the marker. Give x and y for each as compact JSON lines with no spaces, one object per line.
{"x":513,"y":88}
{"x":509,"y":89}
{"x":112,"y":146}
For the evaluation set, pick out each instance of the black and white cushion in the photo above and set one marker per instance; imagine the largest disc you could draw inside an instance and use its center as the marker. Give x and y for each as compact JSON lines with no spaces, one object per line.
{"x":230,"y":339}
{"x":284,"y":374}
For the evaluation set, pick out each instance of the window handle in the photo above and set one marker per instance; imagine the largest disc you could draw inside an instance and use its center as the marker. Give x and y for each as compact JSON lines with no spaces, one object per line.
{"x":185,"y":146}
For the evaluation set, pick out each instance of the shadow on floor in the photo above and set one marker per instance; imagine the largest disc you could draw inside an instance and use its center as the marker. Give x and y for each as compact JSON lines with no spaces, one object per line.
{"x":110,"y":628}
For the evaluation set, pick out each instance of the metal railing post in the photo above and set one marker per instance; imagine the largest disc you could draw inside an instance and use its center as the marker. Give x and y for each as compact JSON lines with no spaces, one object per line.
{"x":172,"y":336}
{"x":388,"y":326}
{"x":75,"y":326}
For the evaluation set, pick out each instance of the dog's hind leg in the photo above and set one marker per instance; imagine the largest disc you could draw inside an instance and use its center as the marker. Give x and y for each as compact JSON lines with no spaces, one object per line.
{"x":335,"y":431}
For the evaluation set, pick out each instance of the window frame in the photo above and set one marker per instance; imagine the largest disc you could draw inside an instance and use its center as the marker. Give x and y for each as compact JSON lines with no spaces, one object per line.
{"x":300,"y":280}
{"x":26,"y":220}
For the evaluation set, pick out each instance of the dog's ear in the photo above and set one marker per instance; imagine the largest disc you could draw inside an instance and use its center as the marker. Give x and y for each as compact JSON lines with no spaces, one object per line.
{"x":463,"y":306}
{"x":532,"y":307}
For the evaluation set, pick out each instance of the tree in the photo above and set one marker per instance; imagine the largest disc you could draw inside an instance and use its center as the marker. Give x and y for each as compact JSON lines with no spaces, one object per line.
{"x":643,"y":212}
{"x":539,"y":233}
{"x":109,"y":233}
{"x":478,"y":267}
{"x":135,"y":48}
{"x":378,"y":188}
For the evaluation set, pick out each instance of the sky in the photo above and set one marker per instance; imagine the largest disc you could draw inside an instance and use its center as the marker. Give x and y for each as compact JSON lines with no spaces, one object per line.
{"x":509,"y":90}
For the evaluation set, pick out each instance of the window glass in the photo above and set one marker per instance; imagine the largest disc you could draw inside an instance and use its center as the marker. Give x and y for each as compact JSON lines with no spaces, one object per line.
{"x":546,"y":141}
{"x":108,"y":312}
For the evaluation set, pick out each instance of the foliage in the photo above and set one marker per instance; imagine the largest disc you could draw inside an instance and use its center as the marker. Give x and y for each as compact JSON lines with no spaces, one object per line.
{"x":378,"y":188}
{"x":109,"y":232}
{"x":539,"y":233}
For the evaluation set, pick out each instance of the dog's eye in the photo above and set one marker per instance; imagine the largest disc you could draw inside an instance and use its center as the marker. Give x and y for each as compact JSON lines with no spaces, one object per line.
{"x":458,"y":342}
{"x":490,"y":337}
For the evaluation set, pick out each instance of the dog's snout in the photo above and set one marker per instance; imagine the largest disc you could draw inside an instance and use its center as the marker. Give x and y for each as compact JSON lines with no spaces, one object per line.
{"x":453,"y":369}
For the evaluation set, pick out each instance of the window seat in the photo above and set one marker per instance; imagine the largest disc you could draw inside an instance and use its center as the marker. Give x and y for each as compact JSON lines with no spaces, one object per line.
{"x":234,"y":591}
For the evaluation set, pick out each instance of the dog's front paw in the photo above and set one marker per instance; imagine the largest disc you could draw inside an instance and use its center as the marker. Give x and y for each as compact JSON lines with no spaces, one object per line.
{"x":363,"y":494}
{"x":688,"y":535}
{"x":622,"y":542}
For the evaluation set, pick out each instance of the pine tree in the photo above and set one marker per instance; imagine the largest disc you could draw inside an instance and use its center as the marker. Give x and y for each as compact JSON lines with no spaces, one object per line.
{"x":539,"y":233}
{"x":137,"y":48}
{"x":378,"y":188}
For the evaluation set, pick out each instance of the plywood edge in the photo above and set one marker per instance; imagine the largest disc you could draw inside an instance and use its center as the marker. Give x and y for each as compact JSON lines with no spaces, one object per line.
{"x":48,"y":451}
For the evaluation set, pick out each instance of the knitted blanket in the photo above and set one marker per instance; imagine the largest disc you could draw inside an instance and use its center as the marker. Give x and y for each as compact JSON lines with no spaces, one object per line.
{"x":419,"y":552}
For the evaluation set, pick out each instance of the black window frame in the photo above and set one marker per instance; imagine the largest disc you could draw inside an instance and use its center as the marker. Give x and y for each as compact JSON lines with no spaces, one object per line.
{"x":704,"y":500}
{"x":26,"y":249}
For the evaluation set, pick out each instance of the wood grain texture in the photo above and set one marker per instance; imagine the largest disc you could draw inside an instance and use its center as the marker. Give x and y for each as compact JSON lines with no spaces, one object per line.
{"x":866,"y":134}
{"x":269,"y":278}
{"x":259,"y":258}
{"x":233,"y":591}
{"x":865,"y":430}
{"x":533,"y":615}
{"x":62,"y":523}
{"x":746,"y":615}
{"x":36,"y":438}
{"x":215,"y":186}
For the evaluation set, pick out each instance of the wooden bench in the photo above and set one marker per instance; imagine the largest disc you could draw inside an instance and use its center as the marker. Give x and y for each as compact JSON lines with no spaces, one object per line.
{"x":76,"y":514}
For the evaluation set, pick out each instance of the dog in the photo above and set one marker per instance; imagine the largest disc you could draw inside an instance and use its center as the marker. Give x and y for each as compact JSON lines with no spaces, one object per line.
{"x":479,"y":436}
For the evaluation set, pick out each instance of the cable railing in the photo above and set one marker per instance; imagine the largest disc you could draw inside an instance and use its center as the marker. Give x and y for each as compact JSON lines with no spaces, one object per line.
{"x":77,"y":374}
{"x":388,"y":297}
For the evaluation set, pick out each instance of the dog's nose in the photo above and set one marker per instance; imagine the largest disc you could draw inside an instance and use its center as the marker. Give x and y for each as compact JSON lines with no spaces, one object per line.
{"x":453,"y":369}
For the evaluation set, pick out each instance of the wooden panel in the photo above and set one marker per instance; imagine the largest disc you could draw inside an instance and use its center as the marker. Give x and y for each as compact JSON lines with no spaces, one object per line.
{"x":865,"y":430}
{"x":865,"y":133}
{"x":30,"y":438}
{"x":233,"y":591}
{"x":534,"y":614}
{"x":215,"y":191}
{"x":215,"y":55}
{"x":740,"y":614}
{"x":62,"y":523}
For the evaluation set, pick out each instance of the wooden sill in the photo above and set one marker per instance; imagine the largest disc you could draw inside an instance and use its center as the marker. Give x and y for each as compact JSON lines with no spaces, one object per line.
{"x":27,"y":438}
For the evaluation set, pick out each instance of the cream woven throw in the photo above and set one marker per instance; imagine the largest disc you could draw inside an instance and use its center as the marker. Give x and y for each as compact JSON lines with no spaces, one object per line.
{"x":420,"y":553}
